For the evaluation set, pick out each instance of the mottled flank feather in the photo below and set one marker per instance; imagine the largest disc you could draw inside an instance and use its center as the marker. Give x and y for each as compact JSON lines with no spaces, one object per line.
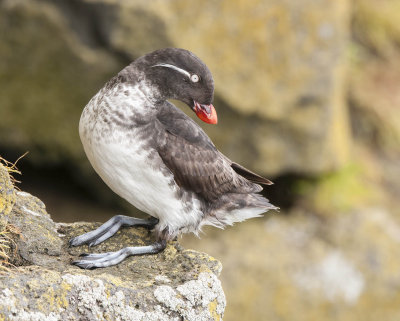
{"x":237,"y":208}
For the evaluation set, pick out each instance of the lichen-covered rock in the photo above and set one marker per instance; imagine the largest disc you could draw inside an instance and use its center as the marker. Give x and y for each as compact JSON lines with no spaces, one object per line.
{"x":39,"y":239}
{"x":171,"y":285}
{"x":40,"y":294}
{"x":278,"y":68}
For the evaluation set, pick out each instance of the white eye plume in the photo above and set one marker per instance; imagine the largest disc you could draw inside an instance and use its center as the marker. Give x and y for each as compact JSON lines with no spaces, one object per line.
{"x":194,"y":78}
{"x":182,"y":71}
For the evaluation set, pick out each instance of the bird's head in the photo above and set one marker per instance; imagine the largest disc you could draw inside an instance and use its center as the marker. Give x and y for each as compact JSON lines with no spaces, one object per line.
{"x":179,"y":74}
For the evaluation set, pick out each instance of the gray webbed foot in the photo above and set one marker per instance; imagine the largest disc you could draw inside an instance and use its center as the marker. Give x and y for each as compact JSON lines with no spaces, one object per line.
{"x":109,"y":228}
{"x":100,"y":260}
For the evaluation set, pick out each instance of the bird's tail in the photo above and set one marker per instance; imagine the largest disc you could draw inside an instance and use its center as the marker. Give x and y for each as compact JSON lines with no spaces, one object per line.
{"x":234,"y":208}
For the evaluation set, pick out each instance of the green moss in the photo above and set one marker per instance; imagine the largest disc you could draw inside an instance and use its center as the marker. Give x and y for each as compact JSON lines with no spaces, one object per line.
{"x":337,"y":191}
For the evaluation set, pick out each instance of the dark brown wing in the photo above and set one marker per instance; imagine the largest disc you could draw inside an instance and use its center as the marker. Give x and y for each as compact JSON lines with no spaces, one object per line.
{"x":253,"y":177}
{"x":194,"y":160}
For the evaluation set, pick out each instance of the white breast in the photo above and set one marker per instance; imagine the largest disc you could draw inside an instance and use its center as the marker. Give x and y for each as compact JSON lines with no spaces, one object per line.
{"x":120,"y":158}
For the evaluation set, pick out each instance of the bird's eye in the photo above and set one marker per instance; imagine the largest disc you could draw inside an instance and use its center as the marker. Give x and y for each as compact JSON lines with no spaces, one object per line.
{"x":194,"y":78}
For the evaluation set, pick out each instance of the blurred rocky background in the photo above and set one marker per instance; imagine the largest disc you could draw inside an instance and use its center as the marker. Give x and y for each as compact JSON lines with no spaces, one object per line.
{"x":307,"y":93}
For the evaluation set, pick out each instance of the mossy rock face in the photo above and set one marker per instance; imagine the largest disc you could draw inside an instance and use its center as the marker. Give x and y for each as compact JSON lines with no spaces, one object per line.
{"x":278,"y":68}
{"x":375,"y":74}
{"x":47,"y":76}
{"x":301,"y":267}
{"x":374,"y":81}
{"x":376,"y":26}
{"x":43,"y":285}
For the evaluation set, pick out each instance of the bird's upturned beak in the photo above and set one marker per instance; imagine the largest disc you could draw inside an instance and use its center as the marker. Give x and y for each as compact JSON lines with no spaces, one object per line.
{"x":206,"y":113}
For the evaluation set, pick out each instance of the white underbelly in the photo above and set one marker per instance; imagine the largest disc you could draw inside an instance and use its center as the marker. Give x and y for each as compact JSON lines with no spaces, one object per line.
{"x":126,"y":170}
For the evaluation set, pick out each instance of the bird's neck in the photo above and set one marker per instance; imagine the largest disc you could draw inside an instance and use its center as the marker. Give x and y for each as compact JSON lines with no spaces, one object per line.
{"x":127,"y":101}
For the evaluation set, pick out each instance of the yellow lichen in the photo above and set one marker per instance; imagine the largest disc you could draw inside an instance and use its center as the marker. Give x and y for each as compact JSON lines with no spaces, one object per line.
{"x":204,"y":268}
{"x":49,"y":296}
{"x":66,"y":286}
{"x":113,"y":279}
{"x":33,"y":284}
{"x":212,"y":308}
{"x":55,"y":298}
{"x":169,"y":252}
{"x":190,"y":253}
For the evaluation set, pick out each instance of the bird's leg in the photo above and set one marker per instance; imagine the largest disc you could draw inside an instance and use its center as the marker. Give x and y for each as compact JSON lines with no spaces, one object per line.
{"x":99,"y":260}
{"x":109,"y":228}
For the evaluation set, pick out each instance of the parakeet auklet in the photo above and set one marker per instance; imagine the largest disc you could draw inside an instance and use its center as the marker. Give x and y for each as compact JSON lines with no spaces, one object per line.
{"x":157,"y":158}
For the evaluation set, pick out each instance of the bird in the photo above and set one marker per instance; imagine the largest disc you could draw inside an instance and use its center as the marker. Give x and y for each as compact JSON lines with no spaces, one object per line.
{"x":153,"y":155}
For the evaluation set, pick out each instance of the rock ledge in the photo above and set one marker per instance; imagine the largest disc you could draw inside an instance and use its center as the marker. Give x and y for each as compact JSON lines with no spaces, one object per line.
{"x":174,"y":285}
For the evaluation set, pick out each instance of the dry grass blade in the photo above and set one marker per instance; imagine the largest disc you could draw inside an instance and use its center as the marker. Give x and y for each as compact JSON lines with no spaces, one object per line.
{"x":6,"y":245}
{"x":12,"y":167}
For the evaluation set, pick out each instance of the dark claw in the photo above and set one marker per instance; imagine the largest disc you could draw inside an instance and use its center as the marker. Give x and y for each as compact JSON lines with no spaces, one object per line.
{"x":86,"y":266}
{"x":93,"y":243}
{"x":72,"y":242}
{"x":83,"y":255}
{"x":153,"y":221}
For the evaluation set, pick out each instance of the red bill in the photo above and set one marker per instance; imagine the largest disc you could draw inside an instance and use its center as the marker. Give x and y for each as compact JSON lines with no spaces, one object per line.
{"x":206,"y":113}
